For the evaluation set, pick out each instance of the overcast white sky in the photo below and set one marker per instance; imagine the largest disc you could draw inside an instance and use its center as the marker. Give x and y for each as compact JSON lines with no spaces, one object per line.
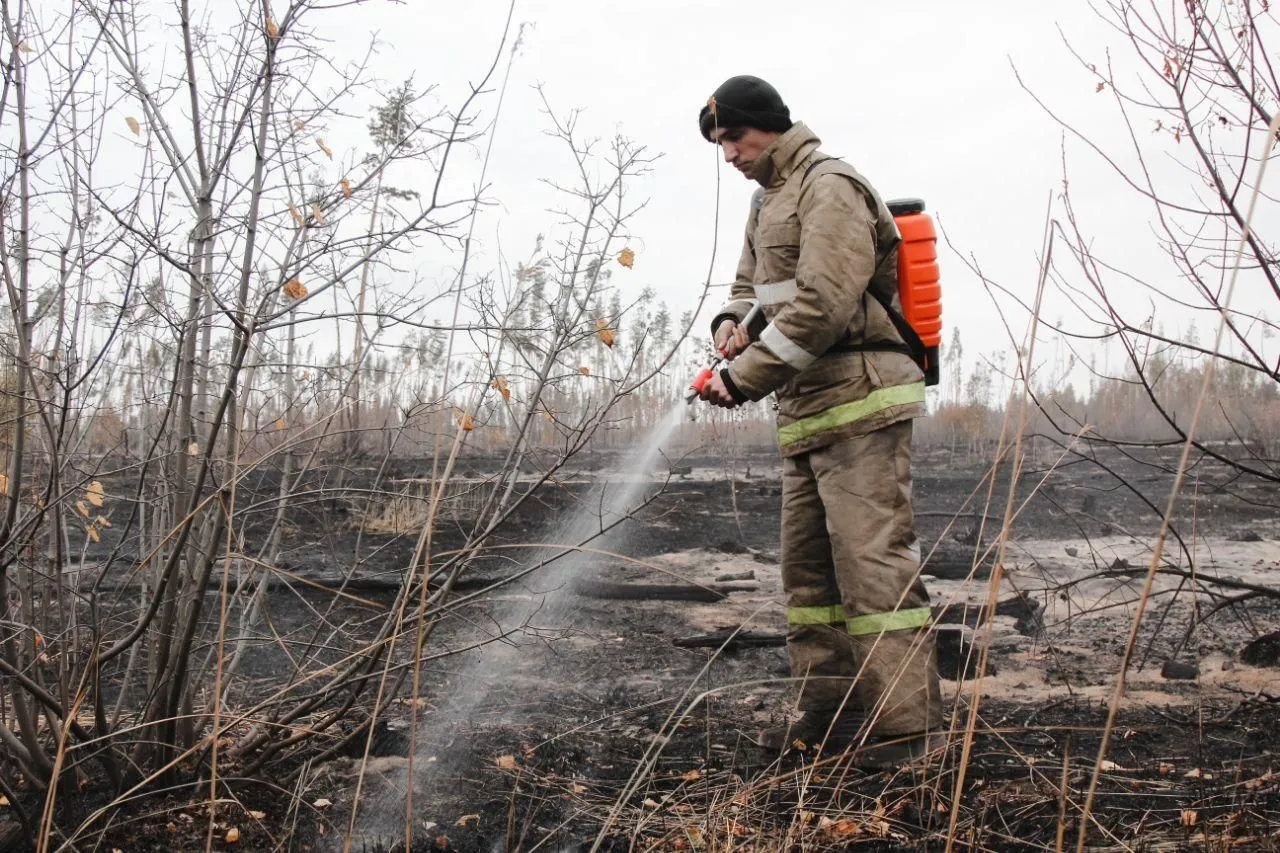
{"x":920,"y":95}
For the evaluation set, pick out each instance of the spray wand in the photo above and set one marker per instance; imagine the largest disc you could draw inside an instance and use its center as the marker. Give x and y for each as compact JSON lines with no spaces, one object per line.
{"x":695,"y":387}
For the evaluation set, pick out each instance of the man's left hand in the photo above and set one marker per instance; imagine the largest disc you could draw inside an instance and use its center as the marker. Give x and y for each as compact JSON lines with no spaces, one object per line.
{"x":715,"y":393}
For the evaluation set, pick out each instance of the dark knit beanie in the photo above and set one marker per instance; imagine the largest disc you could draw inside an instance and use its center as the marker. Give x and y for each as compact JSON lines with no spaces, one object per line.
{"x":745,"y":101}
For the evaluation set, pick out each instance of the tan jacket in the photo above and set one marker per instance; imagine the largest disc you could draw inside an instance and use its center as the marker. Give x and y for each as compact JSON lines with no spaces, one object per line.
{"x":814,"y":244}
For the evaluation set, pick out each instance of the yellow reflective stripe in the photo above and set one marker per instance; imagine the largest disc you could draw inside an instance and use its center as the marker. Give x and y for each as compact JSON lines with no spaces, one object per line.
{"x":897,"y":620}
{"x":824,"y":614}
{"x":846,"y":413}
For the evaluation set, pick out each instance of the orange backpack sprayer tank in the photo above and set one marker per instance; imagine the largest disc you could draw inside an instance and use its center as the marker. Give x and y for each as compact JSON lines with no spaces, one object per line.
{"x":919,"y":286}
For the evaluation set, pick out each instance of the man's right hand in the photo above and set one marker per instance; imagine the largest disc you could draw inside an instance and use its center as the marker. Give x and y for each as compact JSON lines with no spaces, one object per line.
{"x":731,"y":339}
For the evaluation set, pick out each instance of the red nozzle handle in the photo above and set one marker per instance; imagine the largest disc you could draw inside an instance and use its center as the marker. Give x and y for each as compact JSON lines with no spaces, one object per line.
{"x":701,"y":379}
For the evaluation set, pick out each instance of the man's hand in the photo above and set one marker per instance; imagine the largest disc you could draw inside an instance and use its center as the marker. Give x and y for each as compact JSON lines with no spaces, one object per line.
{"x":731,"y":339}
{"x":715,"y":393}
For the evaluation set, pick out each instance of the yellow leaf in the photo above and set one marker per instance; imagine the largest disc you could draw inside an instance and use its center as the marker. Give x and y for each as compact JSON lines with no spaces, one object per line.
{"x":297,"y":217}
{"x":346,"y":188}
{"x":466,"y":819}
{"x":467,"y":423}
{"x":585,"y":371}
{"x":93,"y":493}
{"x":500,"y":385}
{"x":82,"y":508}
{"x":606,"y":335}
{"x":280,"y":423}
{"x":627,"y":257}
{"x":506,"y":762}
{"x":273,"y":32}
{"x":102,"y":521}
{"x":4,"y":482}
{"x":193,"y":449}
{"x":133,"y":125}
{"x":294,"y":288}
{"x":23,"y":47}
{"x":93,"y":533}
{"x":317,"y":214}
{"x":324,"y":148}
{"x":232,"y":836}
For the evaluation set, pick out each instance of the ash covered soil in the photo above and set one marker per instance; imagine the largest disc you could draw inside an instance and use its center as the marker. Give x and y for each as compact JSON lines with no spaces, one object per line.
{"x":598,"y":707}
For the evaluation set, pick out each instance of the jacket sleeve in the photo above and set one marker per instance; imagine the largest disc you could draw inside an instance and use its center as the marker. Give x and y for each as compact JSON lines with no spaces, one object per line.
{"x":742,"y":293}
{"x":836,"y":262}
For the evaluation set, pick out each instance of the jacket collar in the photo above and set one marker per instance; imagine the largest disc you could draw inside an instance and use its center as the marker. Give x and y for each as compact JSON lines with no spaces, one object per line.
{"x":781,"y":159}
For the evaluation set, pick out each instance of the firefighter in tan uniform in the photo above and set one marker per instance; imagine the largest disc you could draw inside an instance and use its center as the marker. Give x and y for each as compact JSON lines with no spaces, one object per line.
{"x":818,"y":241}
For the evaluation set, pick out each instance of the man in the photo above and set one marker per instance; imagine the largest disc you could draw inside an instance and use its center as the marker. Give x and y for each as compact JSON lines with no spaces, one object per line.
{"x":819,"y":243}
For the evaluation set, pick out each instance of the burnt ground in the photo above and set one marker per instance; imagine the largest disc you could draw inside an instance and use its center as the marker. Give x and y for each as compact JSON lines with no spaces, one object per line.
{"x":584,"y":725}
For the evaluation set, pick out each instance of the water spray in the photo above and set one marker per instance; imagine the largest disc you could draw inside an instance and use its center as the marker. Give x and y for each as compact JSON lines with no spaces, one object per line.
{"x":695,"y":387}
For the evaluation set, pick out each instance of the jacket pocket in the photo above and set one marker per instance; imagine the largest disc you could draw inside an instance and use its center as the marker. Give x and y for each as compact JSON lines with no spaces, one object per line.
{"x":777,"y":251}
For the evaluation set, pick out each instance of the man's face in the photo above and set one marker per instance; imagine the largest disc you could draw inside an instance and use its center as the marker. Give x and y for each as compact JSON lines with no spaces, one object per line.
{"x":742,"y":146}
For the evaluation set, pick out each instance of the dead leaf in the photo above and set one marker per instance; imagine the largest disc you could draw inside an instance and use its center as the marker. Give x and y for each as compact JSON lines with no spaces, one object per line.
{"x":4,"y":801}
{"x":844,"y":829}
{"x":325,"y":148}
{"x":323,"y":803}
{"x":546,"y":415}
{"x":467,"y":819}
{"x":1164,"y":769}
{"x":500,"y":385}
{"x":578,"y":789}
{"x":1100,"y":87}
{"x":297,"y":217}
{"x":442,"y":842}
{"x":651,"y":803}
{"x":1189,"y":817}
{"x":317,"y":214}
{"x":605,"y":334}
{"x":585,"y":371}
{"x":92,"y":532}
{"x":193,"y":449}
{"x":280,"y":423}
{"x":232,"y":836}
{"x":506,"y":762}
{"x":627,"y":258}
{"x":294,"y":288}
{"x":691,"y":776}
{"x":4,"y":482}
{"x":1108,"y":766}
{"x":1197,"y":773}
{"x":299,"y":125}
{"x":94,"y":493}
{"x":465,"y":421}
{"x":82,"y":508}
{"x":23,"y":47}
{"x":102,"y":521}
{"x":273,"y":32}
{"x":711,"y":104}
{"x":134,"y":127}
{"x":346,"y":188}
{"x":736,"y":829}
{"x":258,"y":815}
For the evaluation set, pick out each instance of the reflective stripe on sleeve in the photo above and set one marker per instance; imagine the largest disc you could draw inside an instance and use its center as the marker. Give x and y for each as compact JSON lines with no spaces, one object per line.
{"x":846,"y":413}
{"x":823,"y":614}
{"x":896,"y":620}
{"x":786,"y":349}
{"x":779,"y":291}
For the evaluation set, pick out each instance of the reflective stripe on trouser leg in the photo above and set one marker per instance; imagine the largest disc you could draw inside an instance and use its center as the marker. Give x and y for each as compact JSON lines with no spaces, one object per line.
{"x":818,"y":644}
{"x":865,"y":484}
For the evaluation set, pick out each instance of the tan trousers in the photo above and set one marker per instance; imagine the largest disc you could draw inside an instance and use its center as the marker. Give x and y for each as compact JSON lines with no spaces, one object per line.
{"x":857,"y":612}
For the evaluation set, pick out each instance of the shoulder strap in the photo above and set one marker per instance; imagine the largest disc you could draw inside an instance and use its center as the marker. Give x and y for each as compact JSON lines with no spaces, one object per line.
{"x":914,"y":344}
